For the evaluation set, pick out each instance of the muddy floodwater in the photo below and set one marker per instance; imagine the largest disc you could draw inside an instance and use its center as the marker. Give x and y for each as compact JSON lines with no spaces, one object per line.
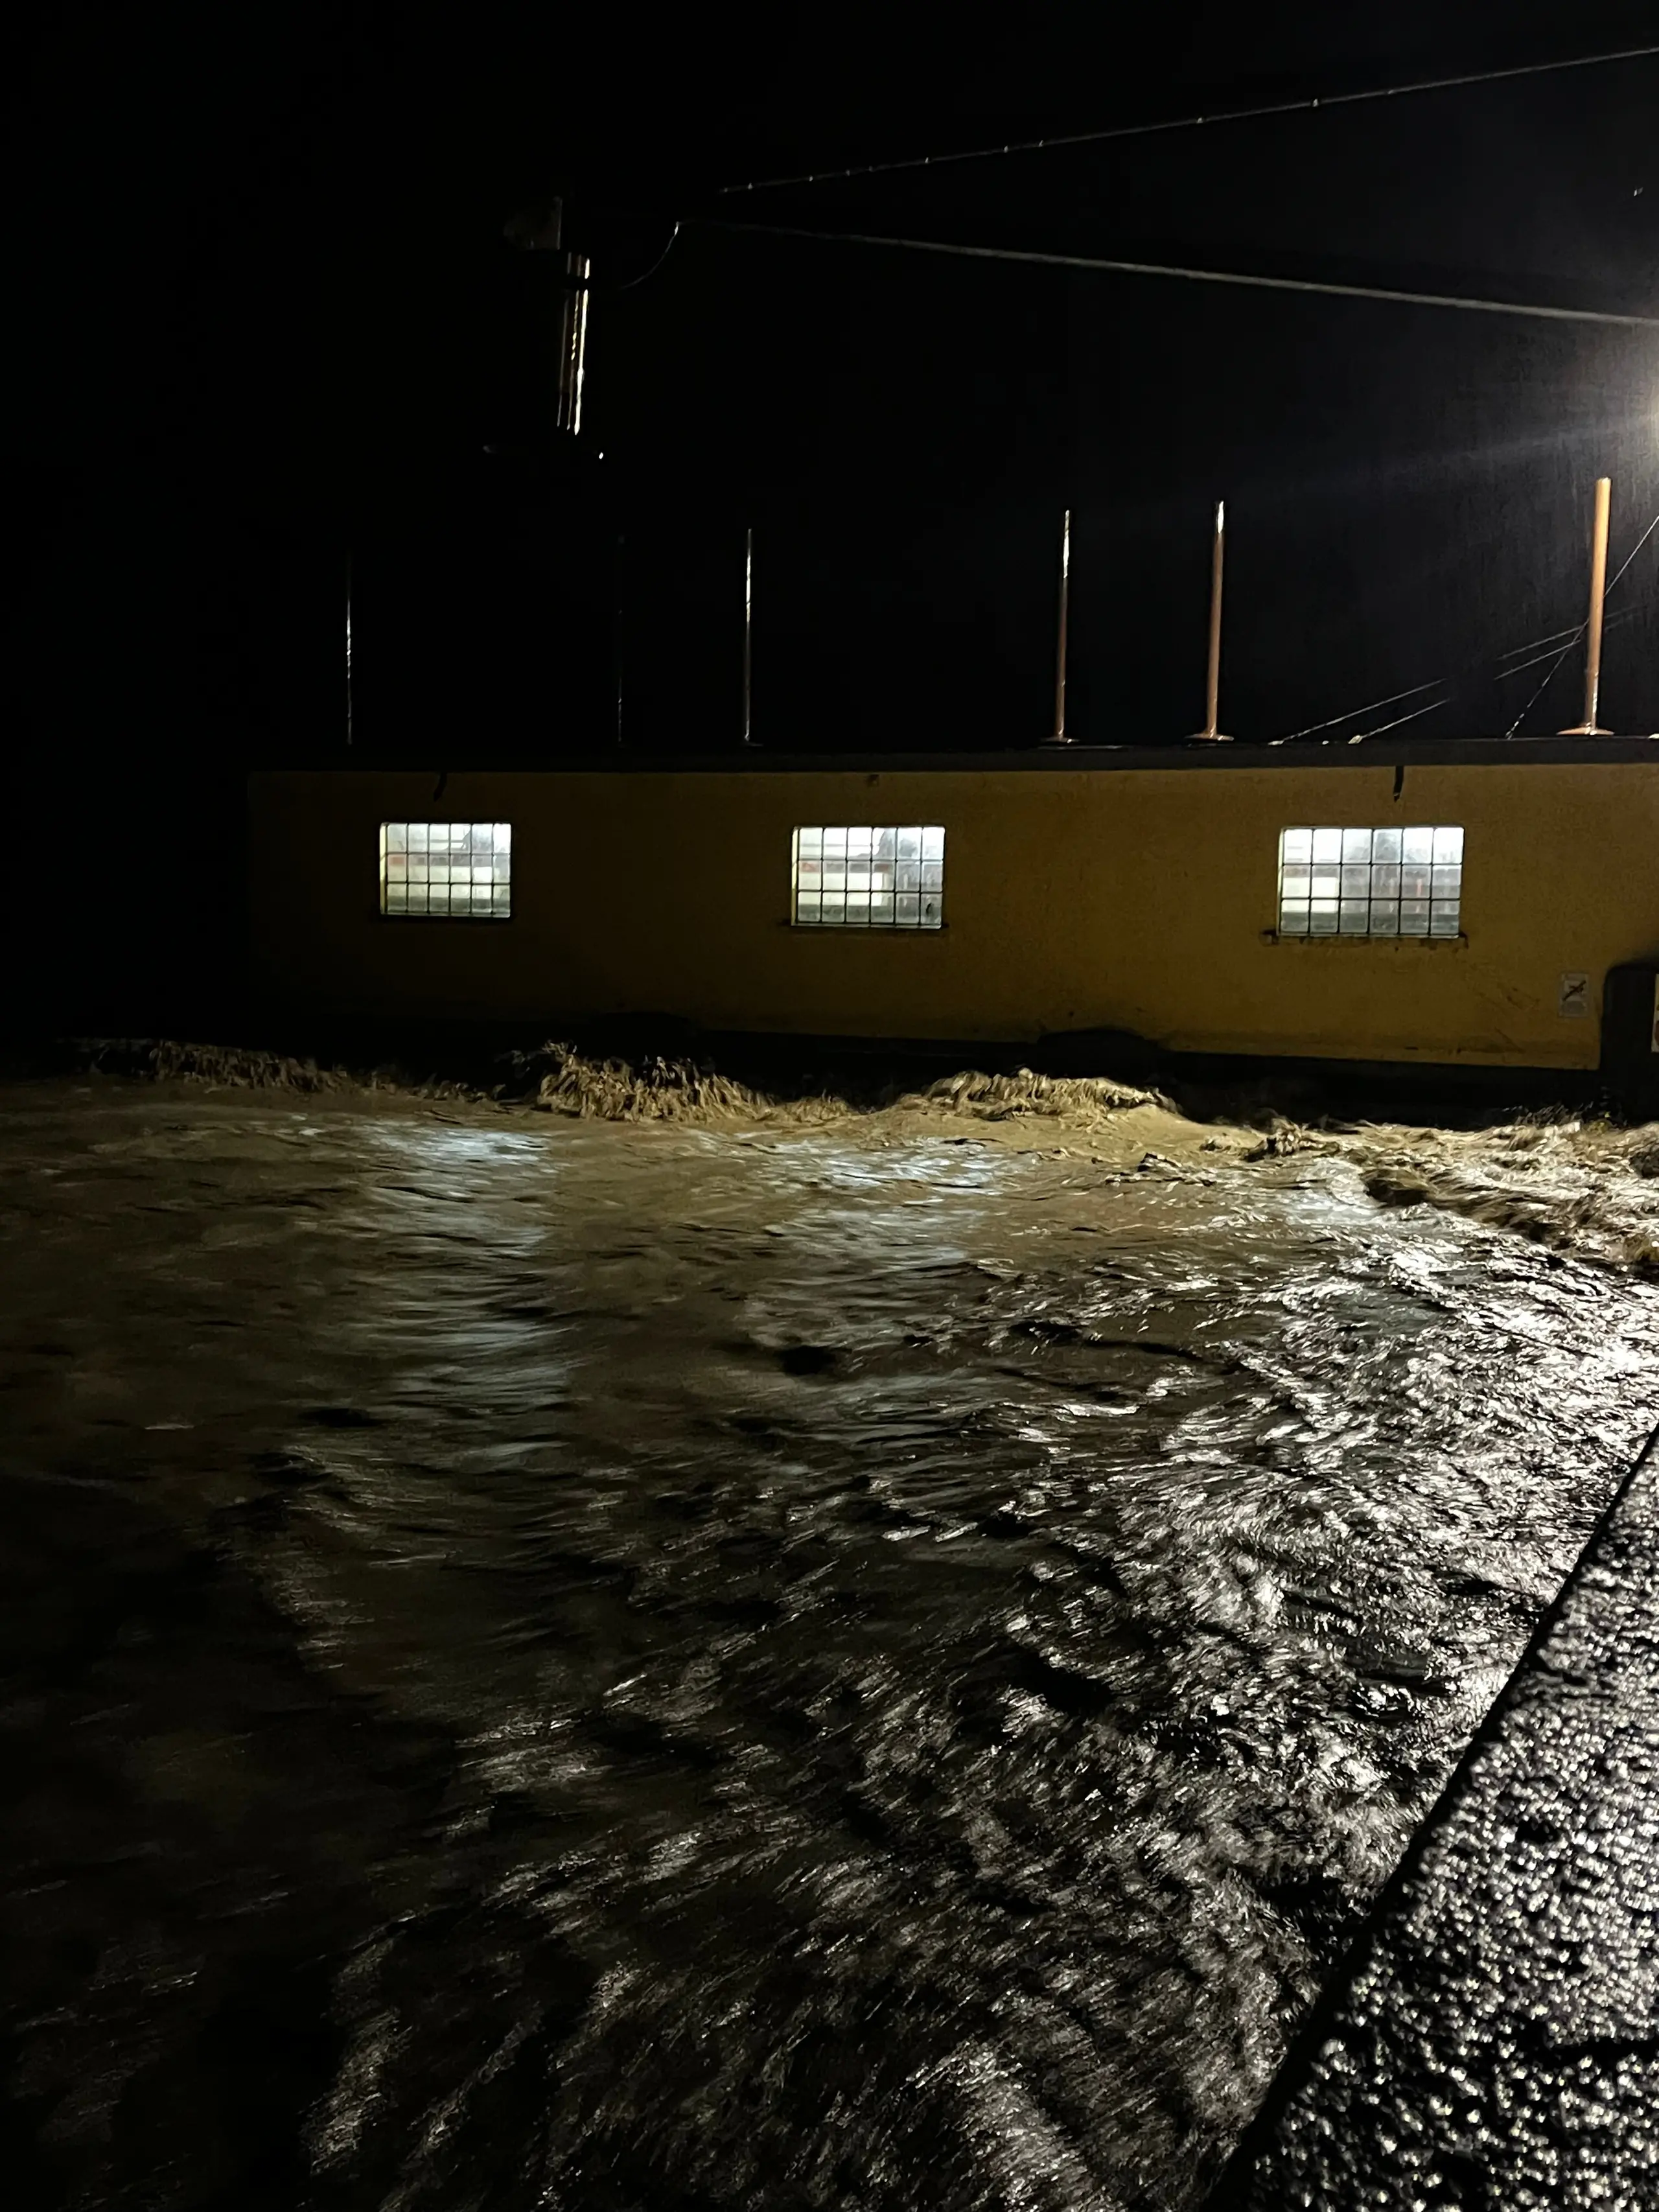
{"x":562,"y":1664}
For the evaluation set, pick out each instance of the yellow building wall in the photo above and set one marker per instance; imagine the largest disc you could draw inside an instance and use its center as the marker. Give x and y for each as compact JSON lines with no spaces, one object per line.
{"x":1128,"y":898}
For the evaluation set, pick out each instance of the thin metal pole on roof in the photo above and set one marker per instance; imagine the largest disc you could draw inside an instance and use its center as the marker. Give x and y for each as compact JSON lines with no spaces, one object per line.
{"x":616,"y":636}
{"x":1213,"y":695}
{"x":1059,"y":736}
{"x":748,"y":635}
{"x":1598,"y":592}
{"x":573,"y":326}
{"x":349,"y":729}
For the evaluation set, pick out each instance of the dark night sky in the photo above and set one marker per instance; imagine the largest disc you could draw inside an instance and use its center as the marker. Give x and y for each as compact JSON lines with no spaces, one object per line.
{"x":263,"y":312}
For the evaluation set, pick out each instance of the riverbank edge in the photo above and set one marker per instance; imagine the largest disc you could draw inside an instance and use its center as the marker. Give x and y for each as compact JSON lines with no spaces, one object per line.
{"x":476,"y":1056}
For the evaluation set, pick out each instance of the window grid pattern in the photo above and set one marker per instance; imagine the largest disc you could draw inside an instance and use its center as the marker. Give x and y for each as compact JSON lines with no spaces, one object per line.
{"x":456,"y":871}
{"x":1371,"y":883}
{"x":869,"y":877}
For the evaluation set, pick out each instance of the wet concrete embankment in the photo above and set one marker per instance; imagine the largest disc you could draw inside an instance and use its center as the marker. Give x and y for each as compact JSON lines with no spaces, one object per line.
{"x":1493,"y":2041}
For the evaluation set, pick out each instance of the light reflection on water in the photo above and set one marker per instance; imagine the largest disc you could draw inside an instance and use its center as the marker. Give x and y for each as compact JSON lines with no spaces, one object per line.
{"x":680,"y":1669}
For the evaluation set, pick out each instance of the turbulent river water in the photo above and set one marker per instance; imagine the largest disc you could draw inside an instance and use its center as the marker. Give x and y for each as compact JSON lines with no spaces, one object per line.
{"x":553,"y":1663}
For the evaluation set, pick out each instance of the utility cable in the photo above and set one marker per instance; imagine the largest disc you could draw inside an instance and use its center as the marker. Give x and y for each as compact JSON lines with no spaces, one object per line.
{"x":1549,"y":673}
{"x":1191,"y":122}
{"x":1194,"y":275}
{"x":1520,"y":667}
{"x":1382,"y":727}
{"x":1554,"y":638}
{"x":1314,"y":728}
{"x":1546,"y":680}
{"x":1442,"y":684}
{"x":647,"y":274}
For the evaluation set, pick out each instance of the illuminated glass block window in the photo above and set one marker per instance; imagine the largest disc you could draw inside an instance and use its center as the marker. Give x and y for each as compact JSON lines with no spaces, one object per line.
{"x":458,"y":871}
{"x":869,"y":877}
{"x":1370,"y":882}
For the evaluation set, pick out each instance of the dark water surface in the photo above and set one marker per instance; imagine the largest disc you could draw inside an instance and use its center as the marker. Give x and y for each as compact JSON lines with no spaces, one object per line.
{"x":559,"y":1664}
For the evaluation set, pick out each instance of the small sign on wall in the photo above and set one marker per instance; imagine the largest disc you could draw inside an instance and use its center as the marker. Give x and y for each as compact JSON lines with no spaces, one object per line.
{"x":1573,"y":1002}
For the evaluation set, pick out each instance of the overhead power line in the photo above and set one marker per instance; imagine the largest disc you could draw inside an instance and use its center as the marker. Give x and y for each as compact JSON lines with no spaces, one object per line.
{"x":1553,"y":648}
{"x":1538,"y":643}
{"x":634,"y":283}
{"x":1548,"y":676}
{"x":1448,"y":687}
{"x":1191,"y":122}
{"x":1253,"y":281}
{"x":1354,"y":713}
{"x":1383,"y":728}
{"x":1549,"y":648}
